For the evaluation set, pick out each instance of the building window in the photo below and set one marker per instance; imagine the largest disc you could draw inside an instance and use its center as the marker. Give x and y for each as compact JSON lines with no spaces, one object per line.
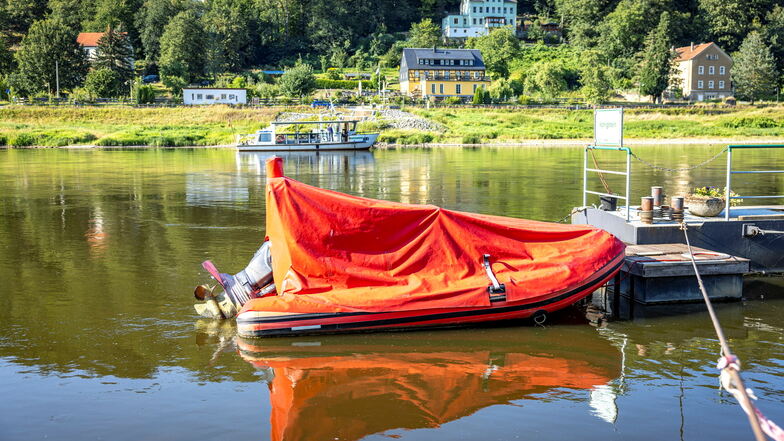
{"x":475,"y":88}
{"x":193,"y":96}
{"x":701,"y":70}
{"x":480,"y":9}
{"x":198,"y":96}
{"x":455,"y":20}
{"x":474,"y":9}
{"x":474,"y":21}
{"x":722,"y":70}
{"x":710,"y":84}
{"x":433,"y":88}
{"x":699,"y":84}
{"x":458,"y":89}
{"x":711,"y":70}
{"x":446,"y":75}
{"x":441,"y":89}
{"x":223,"y":96}
{"x":721,"y":84}
{"x":465,"y":21}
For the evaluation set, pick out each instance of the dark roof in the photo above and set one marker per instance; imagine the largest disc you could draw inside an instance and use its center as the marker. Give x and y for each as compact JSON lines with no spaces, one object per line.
{"x":411,"y":55}
{"x":213,"y":88}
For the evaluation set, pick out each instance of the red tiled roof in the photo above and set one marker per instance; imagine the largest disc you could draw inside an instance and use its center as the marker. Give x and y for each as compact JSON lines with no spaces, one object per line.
{"x":90,"y":38}
{"x":687,"y":52}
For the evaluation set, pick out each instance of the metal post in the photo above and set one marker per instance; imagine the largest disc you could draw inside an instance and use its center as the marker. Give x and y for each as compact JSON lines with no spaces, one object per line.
{"x":585,"y":176}
{"x":57,"y":77}
{"x":729,"y":184}
{"x":628,"y":184}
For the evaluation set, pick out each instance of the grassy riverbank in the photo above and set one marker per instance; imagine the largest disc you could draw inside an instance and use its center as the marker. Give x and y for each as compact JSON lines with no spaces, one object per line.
{"x":217,"y":125}
{"x":125,"y":126}
{"x":474,"y":126}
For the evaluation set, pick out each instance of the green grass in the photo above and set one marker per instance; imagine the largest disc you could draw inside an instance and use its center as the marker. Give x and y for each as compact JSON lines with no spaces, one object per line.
{"x":125,"y":125}
{"x":469,"y":125}
{"x":217,"y":125}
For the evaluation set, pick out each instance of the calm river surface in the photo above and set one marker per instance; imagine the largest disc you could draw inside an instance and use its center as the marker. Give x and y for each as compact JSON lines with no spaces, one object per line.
{"x":100,"y":251}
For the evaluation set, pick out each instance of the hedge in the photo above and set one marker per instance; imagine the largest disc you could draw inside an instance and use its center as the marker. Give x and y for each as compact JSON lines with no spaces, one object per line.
{"x":323,"y":83}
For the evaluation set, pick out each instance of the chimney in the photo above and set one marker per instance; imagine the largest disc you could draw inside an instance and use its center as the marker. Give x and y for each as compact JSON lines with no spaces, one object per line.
{"x":692,"y":45}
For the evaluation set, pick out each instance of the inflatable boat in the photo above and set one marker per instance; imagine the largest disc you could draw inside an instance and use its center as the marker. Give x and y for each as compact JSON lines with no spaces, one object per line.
{"x":332,"y":262}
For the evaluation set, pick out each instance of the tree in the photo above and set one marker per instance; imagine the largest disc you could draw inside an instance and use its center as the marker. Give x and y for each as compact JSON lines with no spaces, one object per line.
{"x":267,"y":91}
{"x":501,"y":90}
{"x":656,"y":62}
{"x":6,"y":59}
{"x":16,"y":16}
{"x":151,"y":20}
{"x":49,"y":43}
{"x":232,"y":28}
{"x":754,"y":71}
{"x":114,"y":52}
{"x":728,"y":20}
{"x":774,"y":36}
{"x":71,"y":12}
{"x":103,"y":83}
{"x":594,"y":78}
{"x":298,"y":81}
{"x":182,"y":47}
{"x":424,"y":34}
{"x":142,"y":93}
{"x":479,"y":96}
{"x":498,"y":48}
{"x":547,"y":79}
{"x":580,"y":18}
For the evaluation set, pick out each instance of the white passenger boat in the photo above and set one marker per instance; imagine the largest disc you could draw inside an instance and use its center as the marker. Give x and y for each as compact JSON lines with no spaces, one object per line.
{"x":290,"y":136}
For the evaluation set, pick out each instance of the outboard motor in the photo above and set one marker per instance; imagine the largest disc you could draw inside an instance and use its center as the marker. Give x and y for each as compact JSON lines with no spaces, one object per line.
{"x":252,"y":282}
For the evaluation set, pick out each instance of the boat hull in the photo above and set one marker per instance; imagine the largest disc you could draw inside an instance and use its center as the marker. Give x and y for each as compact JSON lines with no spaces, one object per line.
{"x":355,"y":142}
{"x":261,"y":324}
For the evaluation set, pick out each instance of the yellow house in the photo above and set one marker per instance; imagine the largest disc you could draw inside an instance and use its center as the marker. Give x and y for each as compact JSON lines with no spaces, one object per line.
{"x":442,"y":73}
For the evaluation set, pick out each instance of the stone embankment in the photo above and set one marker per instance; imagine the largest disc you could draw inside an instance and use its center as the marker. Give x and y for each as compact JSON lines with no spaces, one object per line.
{"x":386,"y":118}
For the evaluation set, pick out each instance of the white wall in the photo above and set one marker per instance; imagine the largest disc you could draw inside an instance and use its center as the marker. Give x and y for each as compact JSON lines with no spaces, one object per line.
{"x":214,"y":96}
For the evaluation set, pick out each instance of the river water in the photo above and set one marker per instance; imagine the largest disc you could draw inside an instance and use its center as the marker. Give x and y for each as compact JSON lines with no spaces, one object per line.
{"x":100,"y":251}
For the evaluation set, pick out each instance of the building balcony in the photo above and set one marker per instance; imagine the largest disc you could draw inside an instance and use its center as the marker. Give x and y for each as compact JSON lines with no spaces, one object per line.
{"x":449,"y":78}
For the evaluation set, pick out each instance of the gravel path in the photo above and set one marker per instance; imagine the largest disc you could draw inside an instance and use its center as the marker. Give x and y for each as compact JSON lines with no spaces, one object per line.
{"x":393,"y":118}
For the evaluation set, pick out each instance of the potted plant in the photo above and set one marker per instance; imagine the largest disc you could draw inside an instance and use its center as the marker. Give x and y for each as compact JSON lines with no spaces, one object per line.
{"x":708,"y":201}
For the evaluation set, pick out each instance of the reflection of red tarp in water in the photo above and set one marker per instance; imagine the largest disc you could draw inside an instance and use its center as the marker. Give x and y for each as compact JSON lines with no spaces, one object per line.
{"x":355,"y":391}
{"x":332,"y":252}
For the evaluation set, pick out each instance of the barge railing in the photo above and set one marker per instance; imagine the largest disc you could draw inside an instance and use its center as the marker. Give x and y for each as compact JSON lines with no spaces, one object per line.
{"x":727,"y":190}
{"x":627,"y":173}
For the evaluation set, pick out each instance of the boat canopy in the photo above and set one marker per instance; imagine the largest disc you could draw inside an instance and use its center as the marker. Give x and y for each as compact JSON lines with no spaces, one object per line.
{"x":333,"y":252}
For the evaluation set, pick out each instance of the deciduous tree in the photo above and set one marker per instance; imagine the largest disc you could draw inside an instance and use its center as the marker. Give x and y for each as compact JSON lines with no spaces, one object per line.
{"x":298,"y":81}
{"x":103,"y":83}
{"x":498,"y":48}
{"x":49,"y":42}
{"x":182,"y":47}
{"x":424,"y":34}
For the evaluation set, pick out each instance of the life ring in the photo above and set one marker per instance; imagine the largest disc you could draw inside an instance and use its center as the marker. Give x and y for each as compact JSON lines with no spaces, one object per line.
{"x":279,"y":139}
{"x":706,"y":255}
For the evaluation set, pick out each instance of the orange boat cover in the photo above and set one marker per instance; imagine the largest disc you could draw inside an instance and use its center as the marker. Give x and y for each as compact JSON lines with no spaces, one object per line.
{"x":332,"y":252}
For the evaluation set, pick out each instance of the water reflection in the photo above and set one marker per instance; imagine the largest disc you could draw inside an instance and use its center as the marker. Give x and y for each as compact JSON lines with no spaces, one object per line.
{"x":313,"y":162}
{"x":348,"y":387}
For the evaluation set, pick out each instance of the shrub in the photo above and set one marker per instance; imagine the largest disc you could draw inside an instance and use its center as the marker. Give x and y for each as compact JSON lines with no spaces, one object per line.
{"x":471,"y":139}
{"x":322,"y":83}
{"x":758,"y":122}
{"x":24,"y":140}
{"x":103,"y":83}
{"x":452,"y":100}
{"x":332,"y":74}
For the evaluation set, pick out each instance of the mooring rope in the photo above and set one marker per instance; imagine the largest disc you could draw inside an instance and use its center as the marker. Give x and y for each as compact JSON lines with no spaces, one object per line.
{"x":729,"y":365}
{"x":658,"y":167}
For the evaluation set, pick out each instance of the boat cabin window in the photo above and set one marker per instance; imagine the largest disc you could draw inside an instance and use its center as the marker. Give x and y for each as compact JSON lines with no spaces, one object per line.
{"x":223,"y":96}
{"x":198,"y":96}
{"x":265,"y":137}
{"x":210,"y":97}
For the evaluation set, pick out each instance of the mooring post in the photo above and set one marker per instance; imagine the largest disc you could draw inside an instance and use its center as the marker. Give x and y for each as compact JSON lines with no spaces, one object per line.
{"x":616,"y":300}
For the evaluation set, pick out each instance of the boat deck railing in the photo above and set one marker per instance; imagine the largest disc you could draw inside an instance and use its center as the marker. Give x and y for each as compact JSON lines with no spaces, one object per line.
{"x":628,"y":174}
{"x":730,"y":172}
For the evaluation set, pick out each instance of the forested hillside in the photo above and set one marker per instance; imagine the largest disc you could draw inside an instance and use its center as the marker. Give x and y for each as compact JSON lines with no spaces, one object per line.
{"x":604,"y":44}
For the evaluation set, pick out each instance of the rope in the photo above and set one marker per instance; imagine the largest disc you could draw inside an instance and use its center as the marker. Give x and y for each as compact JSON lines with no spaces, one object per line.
{"x":574,"y":211}
{"x":601,"y":175}
{"x":658,"y":167}
{"x":730,"y":367}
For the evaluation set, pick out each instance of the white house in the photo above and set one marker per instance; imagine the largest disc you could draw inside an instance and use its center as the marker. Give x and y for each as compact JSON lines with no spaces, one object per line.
{"x":214,"y":95}
{"x":476,"y":17}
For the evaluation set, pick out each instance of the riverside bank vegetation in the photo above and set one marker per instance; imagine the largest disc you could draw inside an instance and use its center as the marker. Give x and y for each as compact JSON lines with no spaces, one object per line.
{"x":22,"y":126}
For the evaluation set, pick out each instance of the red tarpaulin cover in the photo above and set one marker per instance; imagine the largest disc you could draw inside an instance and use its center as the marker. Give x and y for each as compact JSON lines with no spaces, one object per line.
{"x":332,"y":252}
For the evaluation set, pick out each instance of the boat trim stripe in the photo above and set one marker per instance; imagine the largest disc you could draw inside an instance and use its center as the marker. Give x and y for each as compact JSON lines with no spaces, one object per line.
{"x":439,"y":316}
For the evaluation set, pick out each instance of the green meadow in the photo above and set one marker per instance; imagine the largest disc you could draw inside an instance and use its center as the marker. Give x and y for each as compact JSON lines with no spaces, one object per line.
{"x":51,"y":126}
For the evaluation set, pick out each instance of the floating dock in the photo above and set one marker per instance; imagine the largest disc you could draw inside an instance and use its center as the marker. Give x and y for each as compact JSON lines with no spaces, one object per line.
{"x":739,"y":241}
